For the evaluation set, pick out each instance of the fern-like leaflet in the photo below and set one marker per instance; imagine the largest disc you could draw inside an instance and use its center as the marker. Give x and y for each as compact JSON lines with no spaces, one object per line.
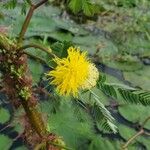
{"x":102,"y":115}
{"x":135,"y":96}
{"x":129,"y":94}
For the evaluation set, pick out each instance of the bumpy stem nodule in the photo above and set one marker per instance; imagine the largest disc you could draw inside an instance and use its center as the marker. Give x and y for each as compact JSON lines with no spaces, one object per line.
{"x":18,"y":84}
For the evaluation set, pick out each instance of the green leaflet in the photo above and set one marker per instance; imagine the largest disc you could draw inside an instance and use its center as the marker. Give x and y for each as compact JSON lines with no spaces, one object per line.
{"x":5,"y":142}
{"x":4,"y":115}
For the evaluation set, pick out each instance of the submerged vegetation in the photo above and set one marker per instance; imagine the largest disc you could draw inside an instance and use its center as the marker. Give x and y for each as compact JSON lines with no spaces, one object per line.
{"x":75,"y":74}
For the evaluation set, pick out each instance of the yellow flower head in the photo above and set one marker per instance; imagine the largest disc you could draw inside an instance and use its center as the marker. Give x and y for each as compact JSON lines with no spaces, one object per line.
{"x":73,"y":73}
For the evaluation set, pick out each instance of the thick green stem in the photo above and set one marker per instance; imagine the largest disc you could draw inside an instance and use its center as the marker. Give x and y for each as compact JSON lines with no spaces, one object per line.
{"x":34,"y":45}
{"x":35,"y":119}
{"x":25,"y":24}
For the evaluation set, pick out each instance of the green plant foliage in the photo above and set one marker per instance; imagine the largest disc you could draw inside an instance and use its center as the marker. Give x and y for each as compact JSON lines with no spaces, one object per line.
{"x":87,"y":97}
{"x":61,"y":30}
{"x":129,"y":94}
{"x":103,"y":118}
{"x":140,"y":78}
{"x":108,"y":90}
{"x":88,"y":8}
{"x":135,"y":113}
{"x":15,"y":123}
{"x":18,"y":128}
{"x":145,"y":141}
{"x":4,"y":115}
{"x":125,"y":63}
{"x":126,"y":132}
{"x":75,"y":5}
{"x":65,"y":123}
{"x":5,"y":142}
{"x":119,"y":39}
{"x":127,"y":21}
{"x":103,"y":143}
{"x":136,"y":97}
{"x":11,"y":4}
{"x":60,"y":48}
{"x":36,"y":69}
{"x":21,"y":148}
{"x":75,"y":122}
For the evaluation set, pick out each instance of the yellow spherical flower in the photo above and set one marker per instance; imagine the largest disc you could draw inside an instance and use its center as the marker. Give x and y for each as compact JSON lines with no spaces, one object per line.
{"x":73,"y":73}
